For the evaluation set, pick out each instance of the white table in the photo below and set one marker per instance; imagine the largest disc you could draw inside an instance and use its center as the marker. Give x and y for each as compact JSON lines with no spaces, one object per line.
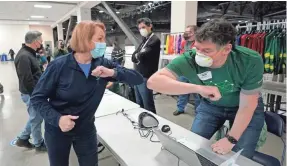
{"x":112,"y":103}
{"x":108,"y":92}
{"x":119,"y":136}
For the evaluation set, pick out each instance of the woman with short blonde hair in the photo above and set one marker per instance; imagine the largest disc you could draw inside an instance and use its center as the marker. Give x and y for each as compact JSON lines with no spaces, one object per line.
{"x":75,"y":84}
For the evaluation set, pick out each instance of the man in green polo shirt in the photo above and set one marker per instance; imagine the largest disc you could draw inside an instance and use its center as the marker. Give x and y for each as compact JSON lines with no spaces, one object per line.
{"x":228,"y":78}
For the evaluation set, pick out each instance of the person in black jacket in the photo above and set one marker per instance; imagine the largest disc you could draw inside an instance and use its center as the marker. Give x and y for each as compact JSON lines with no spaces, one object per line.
{"x":118,"y":54}
{"x":145,"y":59}
{"x":1,"y":88}
{"x":11,"y":53}
{"x":29,"y":72}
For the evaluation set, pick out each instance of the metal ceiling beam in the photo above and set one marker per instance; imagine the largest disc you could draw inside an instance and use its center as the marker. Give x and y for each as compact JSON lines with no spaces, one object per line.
{"x":103,"y":9}
{"x":43,"y":21}
{"x":126,"y":4}
{"x":272,"y":14}
{"x":242,"y":7}
{"x":132,"y":37}
{"x":54,"y":2}
{"x":86,"y":4}
{"x":207,"y":14}
{"x":17,"y":21}
{"x":226,"y":8}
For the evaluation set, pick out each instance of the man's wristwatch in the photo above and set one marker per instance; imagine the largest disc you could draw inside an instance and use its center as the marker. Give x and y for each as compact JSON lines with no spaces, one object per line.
{"x":231,"y":139}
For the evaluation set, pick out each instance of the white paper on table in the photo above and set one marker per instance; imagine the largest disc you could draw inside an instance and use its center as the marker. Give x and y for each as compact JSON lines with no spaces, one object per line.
{"x":232,"y":160}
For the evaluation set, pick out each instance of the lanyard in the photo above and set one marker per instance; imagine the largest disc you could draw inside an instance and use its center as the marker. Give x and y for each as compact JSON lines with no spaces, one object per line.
{"x":146,"y":42}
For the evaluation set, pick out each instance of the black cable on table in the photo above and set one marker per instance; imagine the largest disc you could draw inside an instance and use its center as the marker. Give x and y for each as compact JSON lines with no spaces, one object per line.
{"x":150,"y":132}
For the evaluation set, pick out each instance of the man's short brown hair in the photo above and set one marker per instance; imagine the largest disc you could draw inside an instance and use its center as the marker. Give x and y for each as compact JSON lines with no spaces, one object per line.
{"x":82,"y":35}
{"x":194,"y":27}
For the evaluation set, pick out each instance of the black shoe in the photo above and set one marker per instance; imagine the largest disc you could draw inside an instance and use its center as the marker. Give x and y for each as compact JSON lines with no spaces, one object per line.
{"x":41,"y":148}
{"x":175,"y":113}
{"x":101,"y":148}
{"x":24,"y":143}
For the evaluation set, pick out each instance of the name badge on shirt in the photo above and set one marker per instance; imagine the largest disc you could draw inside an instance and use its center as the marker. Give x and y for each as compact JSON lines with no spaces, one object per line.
{"x":205,"y":76}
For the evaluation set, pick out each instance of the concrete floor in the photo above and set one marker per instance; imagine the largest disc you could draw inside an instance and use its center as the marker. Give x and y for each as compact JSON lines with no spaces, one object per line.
{"x":13,"y":117}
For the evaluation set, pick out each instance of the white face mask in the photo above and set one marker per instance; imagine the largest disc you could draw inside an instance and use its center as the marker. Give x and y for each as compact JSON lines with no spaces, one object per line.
{"x":203,"y":60}
{"x":144,"y":32}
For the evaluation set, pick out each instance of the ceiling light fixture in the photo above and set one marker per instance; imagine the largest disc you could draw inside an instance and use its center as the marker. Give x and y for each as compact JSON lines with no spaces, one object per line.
{"x":208,"y":19}
{"x":34,"y":23}
{"x":101,"y":11}
{"x":239,"y":21}
{"x":37,"y":17}
{"x":43,"y":6}
{"x":118,"y":12}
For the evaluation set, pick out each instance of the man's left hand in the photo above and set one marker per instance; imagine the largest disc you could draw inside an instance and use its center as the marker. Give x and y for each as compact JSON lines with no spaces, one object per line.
{"x":102,"y":71}
{"x":222,"y":146}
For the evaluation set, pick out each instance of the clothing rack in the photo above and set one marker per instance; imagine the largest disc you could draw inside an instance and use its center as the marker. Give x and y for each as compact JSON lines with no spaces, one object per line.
{"x":269,"y":98}
{"x":165,"y":58}
{"x":265,"y":24}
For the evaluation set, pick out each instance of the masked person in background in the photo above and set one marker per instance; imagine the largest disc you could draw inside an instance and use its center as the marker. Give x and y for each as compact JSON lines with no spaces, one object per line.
{"x":48,"y":51}
{"x":1,"y":89}
{"x":75,"y":85}
{"x":11,"y":53}
{"x":186,"y":45}
{"x":41,"y":56}
{"x":229,"y":79}
{"x":145,"y":59}
{"x":29,"y":72}
{"x":60,"y":50}
{"x":118,"y":57}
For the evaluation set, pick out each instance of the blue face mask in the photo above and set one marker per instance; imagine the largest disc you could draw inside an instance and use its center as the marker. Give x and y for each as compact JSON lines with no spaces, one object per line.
{"x":99,"y":50}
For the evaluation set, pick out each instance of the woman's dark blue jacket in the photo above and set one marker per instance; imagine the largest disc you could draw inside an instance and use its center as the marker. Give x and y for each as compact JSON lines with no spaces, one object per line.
{"x":63,"y":89}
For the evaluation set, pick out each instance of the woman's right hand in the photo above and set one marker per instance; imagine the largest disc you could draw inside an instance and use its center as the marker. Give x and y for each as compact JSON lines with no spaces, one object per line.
{"x":66,"y":122}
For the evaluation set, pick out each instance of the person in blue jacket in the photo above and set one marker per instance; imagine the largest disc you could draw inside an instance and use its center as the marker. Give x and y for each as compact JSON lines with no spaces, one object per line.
{"x":70,"y":91}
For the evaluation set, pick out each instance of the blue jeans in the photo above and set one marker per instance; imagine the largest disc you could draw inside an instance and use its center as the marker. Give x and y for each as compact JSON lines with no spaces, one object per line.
{"x":33,"y":125}
{"x":183,"y":99}
{"x":144,"y":96}
{"x":210,"y":118}
{"x":59,"y":147}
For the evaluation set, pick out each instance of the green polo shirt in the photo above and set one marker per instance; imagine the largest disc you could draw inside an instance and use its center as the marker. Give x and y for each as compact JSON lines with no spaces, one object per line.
{"x":242,"y":72}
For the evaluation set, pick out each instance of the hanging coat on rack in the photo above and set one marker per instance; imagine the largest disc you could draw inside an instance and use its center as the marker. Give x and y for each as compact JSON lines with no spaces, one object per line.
{"x":284,"y":56}
{"x":171,"y":45}
{"x":166,"y":44}
{"x":274,"y":54}
{"x":179,"y":44}
{"x":175,"y":43}
{"x":268,"y":48}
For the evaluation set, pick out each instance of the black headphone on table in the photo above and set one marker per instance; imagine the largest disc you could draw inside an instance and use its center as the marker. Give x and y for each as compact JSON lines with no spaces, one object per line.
{"x":148,"y":121}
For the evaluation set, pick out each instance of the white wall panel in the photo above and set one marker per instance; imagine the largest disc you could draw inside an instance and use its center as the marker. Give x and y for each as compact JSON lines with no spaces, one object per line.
{"x":12,"y":36}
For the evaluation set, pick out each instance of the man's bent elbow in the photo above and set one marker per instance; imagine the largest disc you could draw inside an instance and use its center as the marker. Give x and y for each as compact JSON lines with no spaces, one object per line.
{"x":151,"y":82}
